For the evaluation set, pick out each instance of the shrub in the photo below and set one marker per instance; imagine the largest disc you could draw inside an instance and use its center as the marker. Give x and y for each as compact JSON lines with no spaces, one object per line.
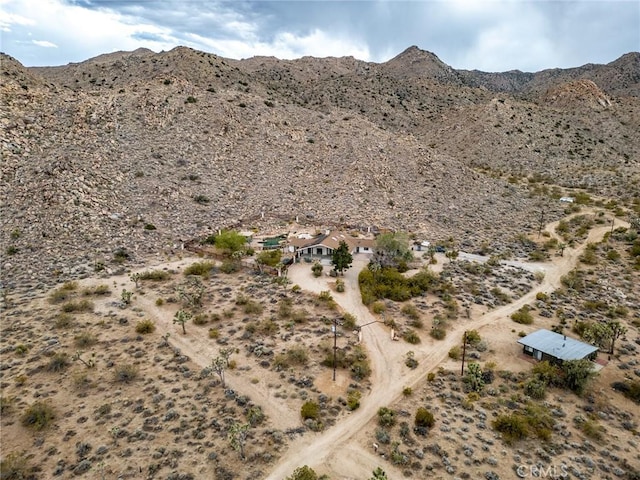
{"x":536,"y":388}
{"x":325,"y":296}
{"x":473,"y":338}
{"x":214,"y":333}
{"x":191,"y":99}
{"x":155,"y":275}
{"x":592,"y":430}
{"x":202,"y":269}
{"x":125,"y":373}
{"x":353,"y":399}
{"x":411,"y":311}
{"x":58,"y":363}
{"x":98,"y":290}
{"x":512,"y":426}
{"x":438,"y":333}
{"x":424,"y":418}
{"x":316,"y":269}
{"x":522,"y":316}
{"x":340,"y":285}
{"x":386,"y":417}
{"x":378,"y":307}
{"x":382,"y":436}
{"x":229,"y":266}
{"x":38,"y":416}
{"x":454,"y":353}
{"x":411,"y":337}
{"x":200,"y":319}
{"x":63,"y":320}
{"x":310,"y":410}
{"x":304,"y":472}
{"x":349,"y":321}
{"x":85,"y":339}
{"x":252,"y":308}
{"x":629,"y":388}
{"x":14,"y":466}
{"x":145,"y":326}
{"x":77,"y":306}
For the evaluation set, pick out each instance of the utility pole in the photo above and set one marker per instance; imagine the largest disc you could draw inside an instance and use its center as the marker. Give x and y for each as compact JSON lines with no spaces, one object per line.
{"x":464,"y":351}
{"x":335,"y":346}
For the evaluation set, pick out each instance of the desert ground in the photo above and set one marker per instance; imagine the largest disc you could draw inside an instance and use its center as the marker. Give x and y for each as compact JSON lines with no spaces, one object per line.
{"x":129,"y":402}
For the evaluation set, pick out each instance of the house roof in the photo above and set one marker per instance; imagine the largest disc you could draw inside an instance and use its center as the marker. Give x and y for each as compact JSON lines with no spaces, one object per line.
{"x":557,"y":345}
{"x":332,"y":240}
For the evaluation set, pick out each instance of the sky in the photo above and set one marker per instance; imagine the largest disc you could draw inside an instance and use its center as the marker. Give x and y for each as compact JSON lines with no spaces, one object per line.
{"x":488,"y":35}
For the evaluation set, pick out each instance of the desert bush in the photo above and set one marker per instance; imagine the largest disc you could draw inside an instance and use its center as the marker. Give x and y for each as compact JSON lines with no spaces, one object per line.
{"x":202,"y":269}
{"x":353,"y":399}
{"x":303,"y":473}
{"x":513,"y":427}
{"x":424,"y":418}
{"x":349,"y":321}
{"x":473,"y":337}
{"x":382,"y":436}
{"x":21,"y":349}
{"x":85,"y":339}
{"x":125,"y":373}
{"x":214,"y":333}
{"x":316,"y":269}
{"x":431,"y":377}
{"x":58,"y":363}
{"x":79,"y":306}
{"x":252,"y":308}
{"x":411,"y":311}
{"x":325,"y":296}
{"x":63,"y":320}
{"x":439,"y":333}
{"x":300,"y":315}
{"x":629,"y":388}
{"x":340,"y":285}
{"x":386,"y":417}
{"x":592,"y":429}
{"x":411,"y":337}
{"x":310,"y":410}
{"x":455,"y":353}
{"x":15,"y":466}
{"x":410,"y":360}
{"x":38,"y":416}
{"x":98,"y":290}
{"x":522,"y":316}
{"x":155,"y":275}
{"x":407,"y":391}
{"x":536,"y":388}
{"x":200,"y":319}
{"x":230,"y":265}
{"x":378,"y":307}
{"x":144,"y":327}
{"x":255,"y":416}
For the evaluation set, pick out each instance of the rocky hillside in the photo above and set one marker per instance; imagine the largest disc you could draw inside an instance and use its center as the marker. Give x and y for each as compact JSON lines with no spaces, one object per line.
{"x":137,"y":150}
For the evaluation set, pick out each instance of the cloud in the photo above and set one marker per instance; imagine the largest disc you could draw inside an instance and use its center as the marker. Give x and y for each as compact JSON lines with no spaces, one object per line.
{"x":44,"y":43}
{"x":495,"y":35}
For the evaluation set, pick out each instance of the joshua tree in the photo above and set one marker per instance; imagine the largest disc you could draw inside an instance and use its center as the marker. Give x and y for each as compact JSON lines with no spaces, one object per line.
{"x":182,"y":317}
{"x":135,"y":278}
{"x":219,"y":365}
{"x":237,"y":437}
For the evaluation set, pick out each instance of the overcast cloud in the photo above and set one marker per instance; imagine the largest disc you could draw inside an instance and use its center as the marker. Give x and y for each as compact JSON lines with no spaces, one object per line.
{"x":466,"y":34}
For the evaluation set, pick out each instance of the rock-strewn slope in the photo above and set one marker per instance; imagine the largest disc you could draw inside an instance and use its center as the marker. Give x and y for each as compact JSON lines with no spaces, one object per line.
{"x":138,"y":150}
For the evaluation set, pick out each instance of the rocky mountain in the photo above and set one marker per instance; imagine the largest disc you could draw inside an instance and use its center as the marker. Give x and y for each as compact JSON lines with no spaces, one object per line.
{"x":139,"y":151}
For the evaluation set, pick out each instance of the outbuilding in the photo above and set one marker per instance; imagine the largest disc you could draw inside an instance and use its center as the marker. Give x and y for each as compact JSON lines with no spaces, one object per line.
{"x":555,"y":347}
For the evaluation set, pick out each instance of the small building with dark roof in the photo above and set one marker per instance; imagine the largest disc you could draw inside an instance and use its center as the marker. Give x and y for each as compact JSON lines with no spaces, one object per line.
{"x":555,"y":347}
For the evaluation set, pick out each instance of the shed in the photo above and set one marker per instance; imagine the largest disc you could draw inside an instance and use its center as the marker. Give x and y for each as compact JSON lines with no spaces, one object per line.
{"x":555,"y":347}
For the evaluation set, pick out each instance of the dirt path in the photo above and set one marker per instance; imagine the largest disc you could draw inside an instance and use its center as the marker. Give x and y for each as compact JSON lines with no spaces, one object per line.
{"x":342,"y":452}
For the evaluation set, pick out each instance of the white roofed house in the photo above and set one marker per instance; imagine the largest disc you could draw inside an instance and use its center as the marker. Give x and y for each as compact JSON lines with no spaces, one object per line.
{"x":325,"y":244}
{"x":555,"y":347}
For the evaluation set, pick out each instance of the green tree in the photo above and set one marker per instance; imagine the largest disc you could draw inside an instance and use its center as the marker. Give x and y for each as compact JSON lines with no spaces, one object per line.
{"x":182,"y":317}
{"x":341,"y":258}
{"x":270,"y":258}
{"x":391,"y":249}
{"x":230,"y":241}
{"x":379,"y":474}
{"x":576,"y":374}
{"x":237,"y":437}
{"x":303,"y":473}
